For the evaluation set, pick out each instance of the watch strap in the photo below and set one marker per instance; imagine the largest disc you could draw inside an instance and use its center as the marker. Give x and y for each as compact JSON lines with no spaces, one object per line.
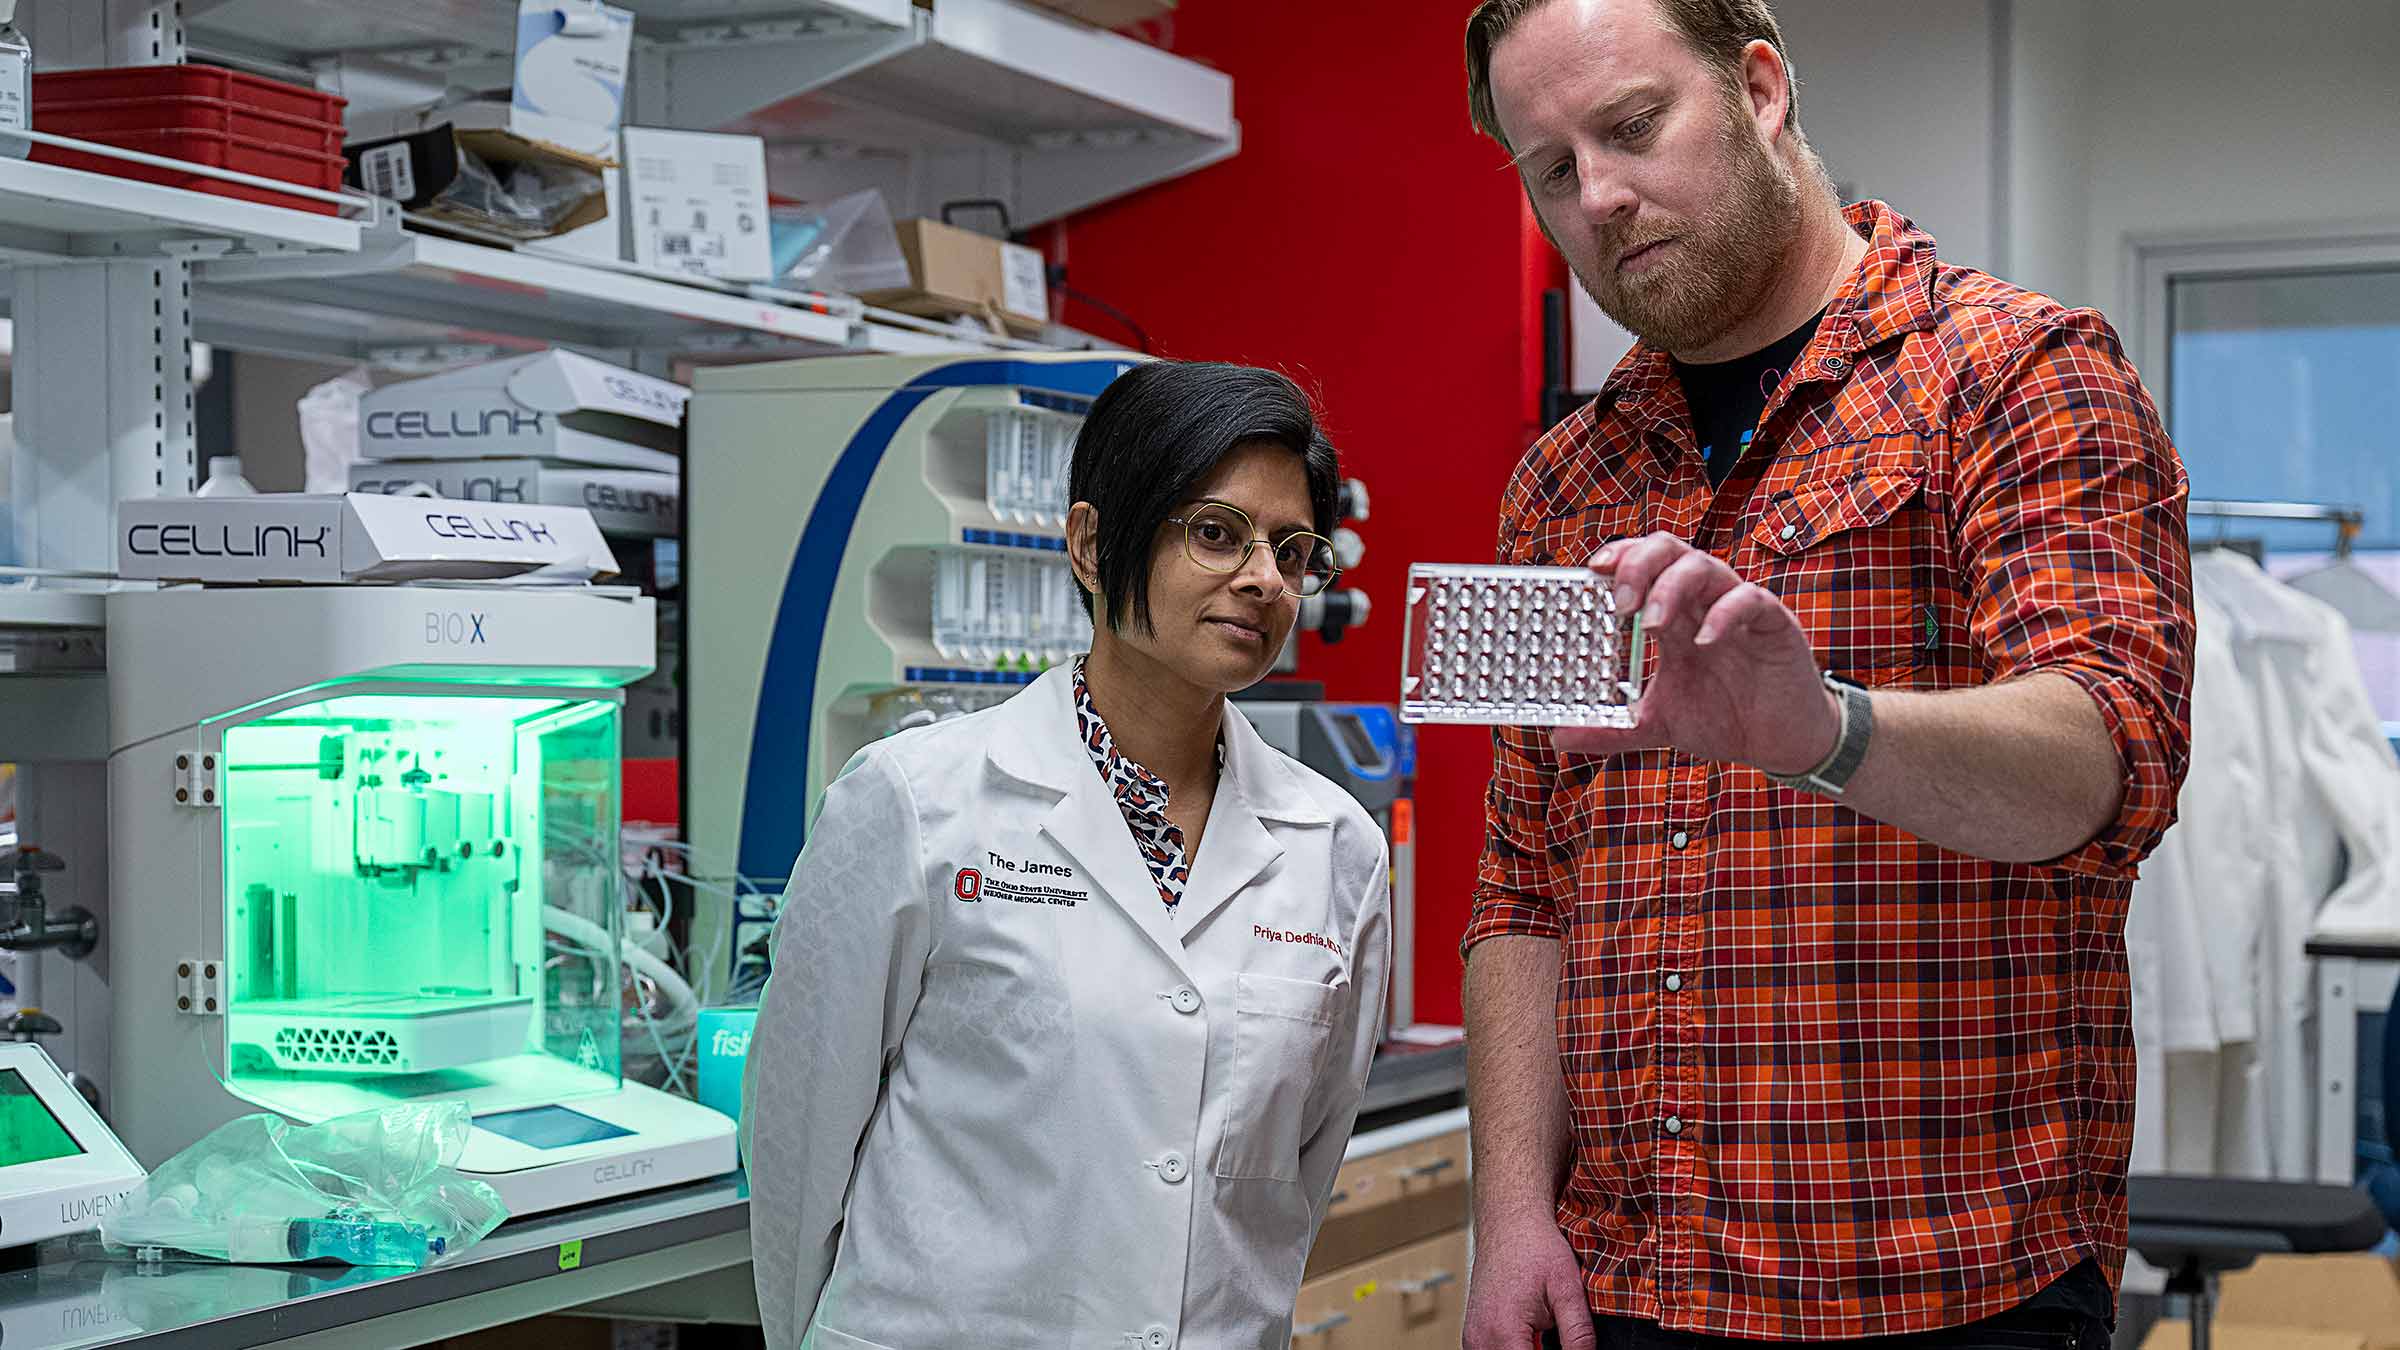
{"x":1832,"y":774}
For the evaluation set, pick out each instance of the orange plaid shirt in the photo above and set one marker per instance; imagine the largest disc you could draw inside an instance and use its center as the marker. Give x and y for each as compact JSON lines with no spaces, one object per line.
{"x":1828,"y":1080}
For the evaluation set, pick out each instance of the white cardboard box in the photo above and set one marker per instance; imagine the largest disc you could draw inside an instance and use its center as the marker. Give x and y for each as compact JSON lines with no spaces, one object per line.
{"x":573,"y":58}
{"x":622,"y":501}
{"x":351,"y":537}
{"x":550,"y":405}
{"x":696,"y":202}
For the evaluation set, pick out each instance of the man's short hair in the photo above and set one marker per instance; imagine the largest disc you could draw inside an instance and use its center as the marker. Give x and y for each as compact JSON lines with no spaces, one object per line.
{"x":1717,"y":31}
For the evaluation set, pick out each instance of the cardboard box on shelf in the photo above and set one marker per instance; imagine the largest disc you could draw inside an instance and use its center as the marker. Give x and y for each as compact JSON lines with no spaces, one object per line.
{"x":696,"y":202}
{"x":630,"y":502}
{"x":563,"y":110}
{"x":1111,"y":13}
{"x":2349,"y":1301}
{"x":954,"y":271}
{"x":551,"y":405}
{"x":423,"y":168}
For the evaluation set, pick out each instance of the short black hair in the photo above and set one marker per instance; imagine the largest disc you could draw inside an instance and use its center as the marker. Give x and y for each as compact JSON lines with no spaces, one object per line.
{"x":1159,"y":430}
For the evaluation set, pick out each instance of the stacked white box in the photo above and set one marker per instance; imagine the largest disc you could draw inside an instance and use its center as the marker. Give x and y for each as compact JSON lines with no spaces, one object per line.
{"x":552,"y":428}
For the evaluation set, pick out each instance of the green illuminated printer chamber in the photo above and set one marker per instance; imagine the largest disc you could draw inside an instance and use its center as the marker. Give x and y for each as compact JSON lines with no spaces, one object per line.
{"x":422,"y":897}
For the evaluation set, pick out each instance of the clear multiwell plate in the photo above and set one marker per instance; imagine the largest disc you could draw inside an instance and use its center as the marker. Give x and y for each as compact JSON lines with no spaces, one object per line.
{"x":1517,"y":646}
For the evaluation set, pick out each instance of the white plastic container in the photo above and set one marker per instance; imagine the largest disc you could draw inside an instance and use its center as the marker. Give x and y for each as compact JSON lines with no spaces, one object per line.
{"x":949,"y":602}
{"x":16,"y":82}
{"x":1000,"y":463}
{"x":224,"y":472}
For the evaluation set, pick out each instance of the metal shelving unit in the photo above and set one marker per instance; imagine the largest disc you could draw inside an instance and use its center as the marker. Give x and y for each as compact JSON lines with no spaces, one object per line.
{"x":110,"y":280}
{"x":415,"y":291}
{"x":969,"y":96}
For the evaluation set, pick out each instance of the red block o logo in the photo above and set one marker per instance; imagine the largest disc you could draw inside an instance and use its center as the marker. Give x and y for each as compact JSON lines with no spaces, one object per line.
{"x":969,"y":885}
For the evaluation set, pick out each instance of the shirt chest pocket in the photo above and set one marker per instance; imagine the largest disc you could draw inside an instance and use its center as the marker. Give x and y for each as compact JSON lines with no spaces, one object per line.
{"x":1851,"y":548}
{"x":1282,"y":1031}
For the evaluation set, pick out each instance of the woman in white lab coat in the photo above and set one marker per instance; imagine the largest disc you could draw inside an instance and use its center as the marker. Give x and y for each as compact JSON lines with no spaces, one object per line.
{"x":1074,"y":999}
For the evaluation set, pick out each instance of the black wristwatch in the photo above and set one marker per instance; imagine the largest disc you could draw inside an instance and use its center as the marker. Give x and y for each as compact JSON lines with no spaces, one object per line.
{"x":1832,"y":774}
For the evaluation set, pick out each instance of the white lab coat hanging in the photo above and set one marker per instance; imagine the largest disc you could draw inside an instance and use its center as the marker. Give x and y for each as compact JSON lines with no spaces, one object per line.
{"x":998,"y":1096}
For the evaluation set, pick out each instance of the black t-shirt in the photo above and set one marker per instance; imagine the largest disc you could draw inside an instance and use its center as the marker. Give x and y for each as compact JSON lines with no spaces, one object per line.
{"x":1728,"y":396}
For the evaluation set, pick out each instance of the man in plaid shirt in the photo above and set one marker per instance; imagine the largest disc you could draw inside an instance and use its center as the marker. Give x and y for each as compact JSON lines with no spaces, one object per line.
{"x":1798,"y":1012}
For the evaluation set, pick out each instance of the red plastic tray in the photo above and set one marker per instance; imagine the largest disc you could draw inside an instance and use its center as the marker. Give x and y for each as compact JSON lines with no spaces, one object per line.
{"x":89,"y":121}
{"x":148,"y":82}
{"x":217,"y":150}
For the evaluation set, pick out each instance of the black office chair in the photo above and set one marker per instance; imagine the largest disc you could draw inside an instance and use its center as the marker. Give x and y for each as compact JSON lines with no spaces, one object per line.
{"x":2197,"y":1228}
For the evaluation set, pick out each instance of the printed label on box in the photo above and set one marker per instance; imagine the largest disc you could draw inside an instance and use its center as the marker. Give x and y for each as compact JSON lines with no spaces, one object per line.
{"x":1024,"y":287}
{"x":387,"y":172}
{"x":12,"y":90}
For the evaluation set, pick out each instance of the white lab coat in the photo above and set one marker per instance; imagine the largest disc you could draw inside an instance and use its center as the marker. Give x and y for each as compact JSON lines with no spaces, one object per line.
{"x":1096,"y":1125}
{"x":2330,"y":794}
{"x":2192,"y":929}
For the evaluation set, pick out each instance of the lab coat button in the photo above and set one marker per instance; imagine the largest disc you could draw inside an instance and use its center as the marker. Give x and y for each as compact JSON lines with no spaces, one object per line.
{"x":1172,"y":1169}
{"x":1186,"y":1000}
{"x":1157,"y":1338}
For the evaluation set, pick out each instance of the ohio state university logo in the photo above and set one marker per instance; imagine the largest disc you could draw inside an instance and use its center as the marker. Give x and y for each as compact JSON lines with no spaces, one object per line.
{"x":968,"y":886}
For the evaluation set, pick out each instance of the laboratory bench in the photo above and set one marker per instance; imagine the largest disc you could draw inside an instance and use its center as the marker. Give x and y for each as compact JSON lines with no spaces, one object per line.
{"x":680,"y":1255}
{"x":692,"y":1238}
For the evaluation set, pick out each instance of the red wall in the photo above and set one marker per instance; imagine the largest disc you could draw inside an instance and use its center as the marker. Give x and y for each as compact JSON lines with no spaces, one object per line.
{"x":1368,"y":243}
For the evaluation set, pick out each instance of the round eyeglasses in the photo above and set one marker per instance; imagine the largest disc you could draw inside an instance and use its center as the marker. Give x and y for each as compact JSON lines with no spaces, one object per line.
{"x":1219,"y":537}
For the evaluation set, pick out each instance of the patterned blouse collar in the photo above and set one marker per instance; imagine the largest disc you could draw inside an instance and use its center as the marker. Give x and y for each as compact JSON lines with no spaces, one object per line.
{"x":1141,"y":797}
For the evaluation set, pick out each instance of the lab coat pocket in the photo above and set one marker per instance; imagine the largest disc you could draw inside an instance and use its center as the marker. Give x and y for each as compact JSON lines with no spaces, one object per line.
{"x":1281,"y":1029}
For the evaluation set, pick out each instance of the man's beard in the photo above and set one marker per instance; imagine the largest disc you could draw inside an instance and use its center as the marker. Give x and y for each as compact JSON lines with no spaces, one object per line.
{"x":1723,"y":258}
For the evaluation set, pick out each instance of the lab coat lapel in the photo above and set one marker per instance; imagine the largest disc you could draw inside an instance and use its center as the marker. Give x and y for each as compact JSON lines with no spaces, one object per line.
{"x":1234,"y":850}
{"x":1041,"y":744}
{"x":1238,"y":847}
{"x":1087,"y":824}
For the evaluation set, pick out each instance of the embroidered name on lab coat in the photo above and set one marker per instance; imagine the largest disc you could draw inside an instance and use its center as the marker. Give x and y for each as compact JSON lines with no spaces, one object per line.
{"x":1265,"y":934}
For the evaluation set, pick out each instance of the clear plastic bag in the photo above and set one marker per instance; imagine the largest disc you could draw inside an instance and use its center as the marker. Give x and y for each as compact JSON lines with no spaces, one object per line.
{"x":847,"y":245}
{"x":374,"y":1188}
{"x":329,"y":429}
{"x":530,"y":199}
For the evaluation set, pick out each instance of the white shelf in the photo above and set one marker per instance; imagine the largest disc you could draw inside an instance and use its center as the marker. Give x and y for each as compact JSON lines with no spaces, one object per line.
{"x":51,"y":214}
{"x":420,"y":291}
{"x":973,"y":73}
{"x":24,"y":607}
{"x":295,"y":32}
{"x":1085,"y":114}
